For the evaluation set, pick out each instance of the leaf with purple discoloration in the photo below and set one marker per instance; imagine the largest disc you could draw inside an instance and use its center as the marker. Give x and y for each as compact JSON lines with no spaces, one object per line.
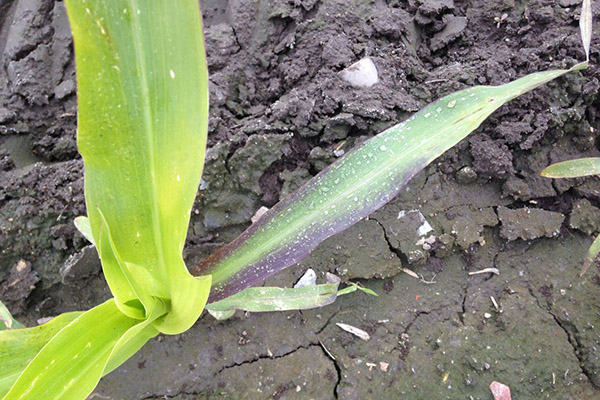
{"x":356,"y":185}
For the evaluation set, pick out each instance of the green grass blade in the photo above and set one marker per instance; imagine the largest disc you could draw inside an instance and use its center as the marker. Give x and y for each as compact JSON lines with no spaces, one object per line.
{"x":263,"y":299}
{"x":19,"y":346}
{"x":591,"y":255}
{"x":354,"y":287}
{"x":573,"y":168}
{"x":142,"y":122}
{"x":6,"y":319}
{"x":356,"y":185}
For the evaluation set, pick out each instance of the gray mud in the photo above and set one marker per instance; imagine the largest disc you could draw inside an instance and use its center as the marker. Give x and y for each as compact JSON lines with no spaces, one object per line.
{"x":279,"y":114}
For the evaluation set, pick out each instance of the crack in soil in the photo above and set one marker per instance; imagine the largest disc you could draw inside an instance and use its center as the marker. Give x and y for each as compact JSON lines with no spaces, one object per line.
{"x":568,"y":328}
{"x":267,"y":357}
{"x":403,"y":259}
{"x":463,"y":311}
{"x":252,"y":361}
{"x":327,"y":323}
{"x":338,"y":370}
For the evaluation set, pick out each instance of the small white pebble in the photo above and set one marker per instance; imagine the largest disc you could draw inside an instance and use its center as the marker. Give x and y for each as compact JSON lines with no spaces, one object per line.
{"x":308,"y":279}
{"x":361,"y":74}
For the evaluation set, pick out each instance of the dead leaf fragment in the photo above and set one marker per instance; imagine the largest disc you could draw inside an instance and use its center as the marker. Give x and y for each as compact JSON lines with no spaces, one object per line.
{"x":355,"y":331}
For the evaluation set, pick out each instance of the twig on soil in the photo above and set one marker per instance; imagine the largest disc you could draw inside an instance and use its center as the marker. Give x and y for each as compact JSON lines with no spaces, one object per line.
{"x":495,"y":303}
{"x":410,"y":272}
{"x":326,"y":350}
{"x":485,"y":271}
{"x":428,"y":282}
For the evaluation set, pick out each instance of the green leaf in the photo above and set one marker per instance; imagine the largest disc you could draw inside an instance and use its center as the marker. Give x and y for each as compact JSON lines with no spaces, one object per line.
{"x":91,"y":345}
{"x":70,"y":365}
{"x":6,"y":319}
{"x":83,"y":226}
{"x":142,"y":122}
{"x":354,"y":287}
{"x":356,"y":185}
{"x":573,"y":168}
{"x":262,"y":299}
{"x":135,"y":338}
{"x":591,"y":255}
{"x":19,"y":346}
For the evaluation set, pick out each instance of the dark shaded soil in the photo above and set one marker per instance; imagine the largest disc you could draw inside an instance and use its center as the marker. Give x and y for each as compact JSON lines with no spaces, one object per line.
{"x":279,"y":111}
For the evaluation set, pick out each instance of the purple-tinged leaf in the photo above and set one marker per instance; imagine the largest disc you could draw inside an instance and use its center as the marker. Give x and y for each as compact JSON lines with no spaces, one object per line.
{"x":355,"y":185}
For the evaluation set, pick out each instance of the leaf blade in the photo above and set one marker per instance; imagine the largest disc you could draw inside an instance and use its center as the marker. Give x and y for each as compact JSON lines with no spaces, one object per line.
{"x":265,"y":299}
{"x":18,"y":347}
{"x":142,"y":123}
{"x":573,"y":168}
{"x":77,"y":354}
{"x":591,"y":255}
{"x":356,"y":185}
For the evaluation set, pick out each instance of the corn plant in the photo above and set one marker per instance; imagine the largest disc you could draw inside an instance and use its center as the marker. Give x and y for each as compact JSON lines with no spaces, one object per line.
{"x":574,"y":169}
{"x":142,"y":125}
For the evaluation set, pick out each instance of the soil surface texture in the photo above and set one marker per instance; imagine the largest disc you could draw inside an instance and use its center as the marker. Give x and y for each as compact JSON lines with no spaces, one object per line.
{"x":280,"y":113}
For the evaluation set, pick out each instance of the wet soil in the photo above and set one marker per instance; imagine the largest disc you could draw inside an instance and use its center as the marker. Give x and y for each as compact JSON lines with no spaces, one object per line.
{"x":279,"y":114}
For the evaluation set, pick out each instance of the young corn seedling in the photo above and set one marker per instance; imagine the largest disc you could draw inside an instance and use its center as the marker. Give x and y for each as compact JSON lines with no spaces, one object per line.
{"x":142,"y":122}
{"x":575,"y":169}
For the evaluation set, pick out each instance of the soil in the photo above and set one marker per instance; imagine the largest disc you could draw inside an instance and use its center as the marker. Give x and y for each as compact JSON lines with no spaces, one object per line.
{"x":279,"y":114}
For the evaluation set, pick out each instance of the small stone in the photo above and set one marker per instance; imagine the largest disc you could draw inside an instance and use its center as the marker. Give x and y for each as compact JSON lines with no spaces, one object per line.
{"x":361,"y":74}
{"x":383,"y":366}
{"x":500,"y":391}
{"x":466,"y":175}
{"x":259,"y":213}
{"x":308,"y":279}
